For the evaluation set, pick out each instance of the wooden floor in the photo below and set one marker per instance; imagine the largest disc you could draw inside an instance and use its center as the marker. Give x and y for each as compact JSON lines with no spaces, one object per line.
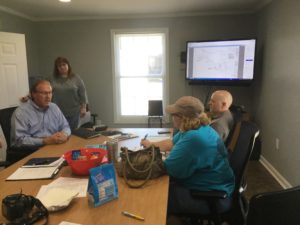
{"x":259,"y":180}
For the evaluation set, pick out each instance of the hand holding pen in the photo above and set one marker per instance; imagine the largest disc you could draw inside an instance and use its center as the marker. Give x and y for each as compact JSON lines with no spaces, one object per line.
{"x":144,"y":142}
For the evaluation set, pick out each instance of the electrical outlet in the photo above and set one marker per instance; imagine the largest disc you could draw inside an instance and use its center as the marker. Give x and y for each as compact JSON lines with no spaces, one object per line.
{"x":277,"y":143}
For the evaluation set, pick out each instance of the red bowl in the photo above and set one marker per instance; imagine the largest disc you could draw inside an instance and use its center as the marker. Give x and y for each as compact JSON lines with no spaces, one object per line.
{"x":82,"y":166}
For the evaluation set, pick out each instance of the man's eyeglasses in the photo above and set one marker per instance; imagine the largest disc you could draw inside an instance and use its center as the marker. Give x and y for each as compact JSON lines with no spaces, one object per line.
{"x":44,"y":93}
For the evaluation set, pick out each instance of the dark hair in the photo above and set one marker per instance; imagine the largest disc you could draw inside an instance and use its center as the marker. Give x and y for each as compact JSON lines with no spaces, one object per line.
{"x":57,"y":62}
{"x":37,"y":83}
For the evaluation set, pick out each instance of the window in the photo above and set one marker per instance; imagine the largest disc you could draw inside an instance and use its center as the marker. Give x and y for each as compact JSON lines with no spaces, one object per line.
{"x":140,"y":72}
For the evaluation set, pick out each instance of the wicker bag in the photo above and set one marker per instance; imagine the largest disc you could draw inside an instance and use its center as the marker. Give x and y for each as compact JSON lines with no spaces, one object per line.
{"x":143,"y":165}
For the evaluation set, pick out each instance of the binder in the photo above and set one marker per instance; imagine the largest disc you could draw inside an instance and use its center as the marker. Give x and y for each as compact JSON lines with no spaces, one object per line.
{"x":35,"y":172}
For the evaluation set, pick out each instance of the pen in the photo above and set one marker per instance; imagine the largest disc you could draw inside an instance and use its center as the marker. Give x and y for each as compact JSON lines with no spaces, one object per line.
{"x":145,"y":137}
{"x":133,"y":216}
{"x":56,"y":171}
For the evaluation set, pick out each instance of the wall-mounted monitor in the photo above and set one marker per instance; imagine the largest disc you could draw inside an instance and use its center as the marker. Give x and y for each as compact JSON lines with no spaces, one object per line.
{"x":228,"y":62}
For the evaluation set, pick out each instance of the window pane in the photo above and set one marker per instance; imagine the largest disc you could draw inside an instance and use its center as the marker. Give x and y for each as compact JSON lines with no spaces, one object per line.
{"x":141,"y":55}
{"x":135,"y":93}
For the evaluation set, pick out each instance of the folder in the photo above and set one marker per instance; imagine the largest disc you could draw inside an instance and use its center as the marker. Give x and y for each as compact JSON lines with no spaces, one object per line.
{"x":35,"y":172}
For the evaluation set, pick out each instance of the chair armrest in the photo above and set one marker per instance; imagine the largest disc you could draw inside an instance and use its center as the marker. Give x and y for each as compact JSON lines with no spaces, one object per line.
{"x":209,"y":194}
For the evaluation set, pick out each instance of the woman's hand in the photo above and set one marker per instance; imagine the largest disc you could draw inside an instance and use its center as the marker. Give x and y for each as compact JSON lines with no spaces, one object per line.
{"x":146,"y":143}
{"x":82,"y":110}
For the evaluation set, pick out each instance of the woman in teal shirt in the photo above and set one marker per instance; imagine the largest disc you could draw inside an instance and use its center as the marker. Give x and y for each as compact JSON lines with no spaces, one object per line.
{"x":198,"y":159}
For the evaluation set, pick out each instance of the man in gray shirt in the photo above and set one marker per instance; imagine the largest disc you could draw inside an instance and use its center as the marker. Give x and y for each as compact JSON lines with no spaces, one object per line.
{"x":38,"y":121}
{"x":222,"y":120}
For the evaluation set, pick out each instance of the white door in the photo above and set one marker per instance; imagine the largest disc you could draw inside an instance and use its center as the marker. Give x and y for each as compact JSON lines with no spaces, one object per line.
{"x":13,"y":69}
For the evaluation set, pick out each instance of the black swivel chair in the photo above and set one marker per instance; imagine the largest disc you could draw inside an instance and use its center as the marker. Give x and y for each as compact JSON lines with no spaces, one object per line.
{"x":12,"y":154}
{"x":238,"y":160}
{"x":155,"y":111}
{"x":3,"y":162}
{"x":275,"y":208}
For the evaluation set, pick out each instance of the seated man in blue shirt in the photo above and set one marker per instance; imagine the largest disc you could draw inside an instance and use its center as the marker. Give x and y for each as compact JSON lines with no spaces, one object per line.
{"x":38,"y":121}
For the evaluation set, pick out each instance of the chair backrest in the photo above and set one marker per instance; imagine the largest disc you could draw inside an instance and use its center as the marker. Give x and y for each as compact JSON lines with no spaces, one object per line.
{"x":237,"y":114}
{"x":3,"y":146}
{"x":275,"y":208}
{"x":155,"y":108}
{"x":5,"y":122}
{"x":240,"y":156}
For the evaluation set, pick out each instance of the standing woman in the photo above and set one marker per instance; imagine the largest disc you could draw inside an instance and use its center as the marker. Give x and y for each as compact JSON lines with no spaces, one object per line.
{"x":69,"y":92}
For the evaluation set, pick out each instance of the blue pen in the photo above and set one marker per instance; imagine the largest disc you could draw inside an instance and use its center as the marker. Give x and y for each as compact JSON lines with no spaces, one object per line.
{"x":145,"y":137}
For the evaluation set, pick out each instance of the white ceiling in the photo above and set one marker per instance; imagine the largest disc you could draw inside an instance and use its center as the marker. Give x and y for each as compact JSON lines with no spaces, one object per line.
{"x":39,"y":10}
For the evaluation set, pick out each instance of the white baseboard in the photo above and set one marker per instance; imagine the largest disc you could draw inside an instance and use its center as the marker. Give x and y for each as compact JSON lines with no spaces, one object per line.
{"x":280,"y":179}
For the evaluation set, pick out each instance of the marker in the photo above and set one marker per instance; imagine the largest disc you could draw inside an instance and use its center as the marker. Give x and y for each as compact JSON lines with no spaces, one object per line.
{"x":133,"y":216}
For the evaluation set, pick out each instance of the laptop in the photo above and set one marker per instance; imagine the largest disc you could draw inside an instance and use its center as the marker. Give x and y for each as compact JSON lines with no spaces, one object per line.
{"x":86,"y":133}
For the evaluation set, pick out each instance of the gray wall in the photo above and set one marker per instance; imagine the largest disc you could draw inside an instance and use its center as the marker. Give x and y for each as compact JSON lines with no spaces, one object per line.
{"x":278,"y":92}
{"x":87,"y":44}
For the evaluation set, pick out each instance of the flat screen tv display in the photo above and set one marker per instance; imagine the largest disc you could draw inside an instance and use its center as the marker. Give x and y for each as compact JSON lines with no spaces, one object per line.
{"x":228,"y":62}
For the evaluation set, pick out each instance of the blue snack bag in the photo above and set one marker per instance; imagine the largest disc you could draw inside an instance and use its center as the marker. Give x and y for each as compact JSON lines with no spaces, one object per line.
{"x":102,"y":185}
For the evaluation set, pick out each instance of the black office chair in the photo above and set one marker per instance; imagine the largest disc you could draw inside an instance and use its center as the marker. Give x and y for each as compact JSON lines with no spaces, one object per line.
{"x":12,"y":154}
{"x":275,"y":208}
{"x":239,"y":158}
{"x":155,"y":111}
{"x":3,"y":148}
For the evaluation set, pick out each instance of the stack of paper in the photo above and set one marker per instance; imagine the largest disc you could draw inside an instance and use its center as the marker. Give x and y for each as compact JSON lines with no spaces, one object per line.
{"x":59,"y":193}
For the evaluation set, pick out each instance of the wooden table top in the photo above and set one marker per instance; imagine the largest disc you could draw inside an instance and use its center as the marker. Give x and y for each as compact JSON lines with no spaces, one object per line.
{"x":149,"y":201}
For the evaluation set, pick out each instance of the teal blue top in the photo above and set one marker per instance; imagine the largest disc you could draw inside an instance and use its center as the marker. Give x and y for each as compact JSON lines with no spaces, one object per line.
{"x":198,"y":160}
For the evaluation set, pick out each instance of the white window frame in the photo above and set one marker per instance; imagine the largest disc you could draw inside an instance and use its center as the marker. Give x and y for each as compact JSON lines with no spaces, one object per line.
{"x":118,"y":118}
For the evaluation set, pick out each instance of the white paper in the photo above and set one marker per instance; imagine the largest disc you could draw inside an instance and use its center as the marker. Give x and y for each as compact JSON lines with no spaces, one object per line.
{"x":57,"y":198}
{"x":158,"y":138}
{"x":33,"y":173}
{"x":74,"y":184}
{"x":85,"y":119}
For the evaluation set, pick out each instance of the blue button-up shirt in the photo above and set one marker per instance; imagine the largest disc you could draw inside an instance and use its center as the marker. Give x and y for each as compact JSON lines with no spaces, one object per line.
{"x":30,"y":124}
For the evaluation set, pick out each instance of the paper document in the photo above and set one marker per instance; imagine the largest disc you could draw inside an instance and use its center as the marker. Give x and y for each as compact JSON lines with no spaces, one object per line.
{"x":73,"y":184}
{"x":85,"y":119}
{"x":78,"y":184}
{"x":123,"y":136}
{"x":159,"y":138}
{"x":34,"y":173}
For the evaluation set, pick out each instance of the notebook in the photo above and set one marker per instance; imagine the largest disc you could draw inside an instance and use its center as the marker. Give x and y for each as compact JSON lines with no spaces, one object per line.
{"x":33,"y":172}
{"x":86,"y":133}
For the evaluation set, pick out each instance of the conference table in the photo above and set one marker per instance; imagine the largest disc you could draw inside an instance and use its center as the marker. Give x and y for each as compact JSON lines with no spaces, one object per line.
{"x":149,"y":202}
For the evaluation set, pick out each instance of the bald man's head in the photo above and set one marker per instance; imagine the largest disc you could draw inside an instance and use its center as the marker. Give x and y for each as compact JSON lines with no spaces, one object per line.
{"x":220,"y":101}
